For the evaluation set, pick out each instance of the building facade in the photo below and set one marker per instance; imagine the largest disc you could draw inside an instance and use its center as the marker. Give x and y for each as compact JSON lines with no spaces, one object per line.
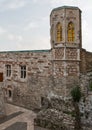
{"x":28,"y":76}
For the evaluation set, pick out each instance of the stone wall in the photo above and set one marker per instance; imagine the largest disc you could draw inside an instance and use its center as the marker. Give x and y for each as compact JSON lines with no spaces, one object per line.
{"x":44,"y":75}
{"x":56,"y":114}
{"x":86,"y":61}
{"x":86,"y":111}
{"x":85,"y":104}
{"x":83,"y":61}
{"x":26,"y":91}
{"x":89,"y":61}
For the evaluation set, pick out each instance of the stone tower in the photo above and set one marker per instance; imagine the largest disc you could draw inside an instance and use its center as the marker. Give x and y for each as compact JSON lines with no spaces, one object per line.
{"x":66,"y":45}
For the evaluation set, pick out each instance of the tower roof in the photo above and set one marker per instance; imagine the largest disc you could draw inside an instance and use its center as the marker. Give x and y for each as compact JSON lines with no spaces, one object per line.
{"x":65,"y":7}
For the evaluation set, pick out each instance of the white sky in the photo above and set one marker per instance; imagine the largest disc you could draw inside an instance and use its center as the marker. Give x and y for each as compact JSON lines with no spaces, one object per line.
{"x":24,"y":24}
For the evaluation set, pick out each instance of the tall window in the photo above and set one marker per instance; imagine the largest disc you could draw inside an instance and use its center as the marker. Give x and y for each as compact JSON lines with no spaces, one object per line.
{"x":58,"y":32}
{"x":71,"y":33}
{"x":23,"y":71}
{"x":1,"y":77}
{"x":8,"y":70}
{"x":10,"y":93}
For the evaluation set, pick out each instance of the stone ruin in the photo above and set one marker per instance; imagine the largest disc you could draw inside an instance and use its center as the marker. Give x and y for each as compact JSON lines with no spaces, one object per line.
{"x":57,"y":113}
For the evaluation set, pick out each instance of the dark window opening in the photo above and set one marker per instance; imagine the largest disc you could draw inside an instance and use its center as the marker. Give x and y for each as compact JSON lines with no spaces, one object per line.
{"x":10,"y":93}
{"x":1,"y":77}
{"x":23,"y":71}
{"x":8,"y":70}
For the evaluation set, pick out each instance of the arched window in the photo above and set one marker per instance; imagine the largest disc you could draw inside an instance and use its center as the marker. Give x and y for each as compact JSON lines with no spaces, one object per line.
{"x":58,"y":32}
{"x":71,"y":32}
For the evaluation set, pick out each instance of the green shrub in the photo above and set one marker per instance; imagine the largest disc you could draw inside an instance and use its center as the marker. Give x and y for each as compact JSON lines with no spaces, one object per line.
{"x":76,"y":94}
{"x":90,"y":86}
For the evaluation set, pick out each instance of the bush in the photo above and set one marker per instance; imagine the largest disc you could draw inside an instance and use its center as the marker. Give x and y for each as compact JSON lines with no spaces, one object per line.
{"x":90,"y":86}
{"x":76,"y":94}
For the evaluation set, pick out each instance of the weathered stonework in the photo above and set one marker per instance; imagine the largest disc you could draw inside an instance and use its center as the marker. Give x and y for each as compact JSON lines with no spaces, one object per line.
{"x":57,"y":114}
{"x":71,"y":54}
{"x":37,"y":77}
{"x":59,"y":53}
{"x":51,"y":72}
{"x":47,"y":71}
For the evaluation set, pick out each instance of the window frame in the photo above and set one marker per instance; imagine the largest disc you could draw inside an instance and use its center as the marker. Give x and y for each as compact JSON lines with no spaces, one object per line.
{"x":58,"y":32}
{"x":8,"y":70}
{"x":70,"y":32}
{"x":23,"y":71}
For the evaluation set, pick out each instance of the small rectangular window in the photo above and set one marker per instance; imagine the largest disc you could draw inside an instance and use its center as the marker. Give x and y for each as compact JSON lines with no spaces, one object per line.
{"x":8,"y":70}
{"x":1,"y":77}
{"x":23,"y":71}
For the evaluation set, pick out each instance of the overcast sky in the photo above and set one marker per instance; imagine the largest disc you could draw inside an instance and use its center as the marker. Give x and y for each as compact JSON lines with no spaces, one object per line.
{"x":24,"y":24}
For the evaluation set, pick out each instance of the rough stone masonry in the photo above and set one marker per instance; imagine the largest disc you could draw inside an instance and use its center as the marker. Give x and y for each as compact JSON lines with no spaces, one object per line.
{"x":30,"y":75}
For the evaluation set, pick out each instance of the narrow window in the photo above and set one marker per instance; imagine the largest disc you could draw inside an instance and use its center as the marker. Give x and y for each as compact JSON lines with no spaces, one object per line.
{"x":59,"y":32}
{"x":71,"y":33}
{"x":10,"y":93}
{"x":1,"y":77}
{"x":23,"y":71}
{"x":8,"y":70}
